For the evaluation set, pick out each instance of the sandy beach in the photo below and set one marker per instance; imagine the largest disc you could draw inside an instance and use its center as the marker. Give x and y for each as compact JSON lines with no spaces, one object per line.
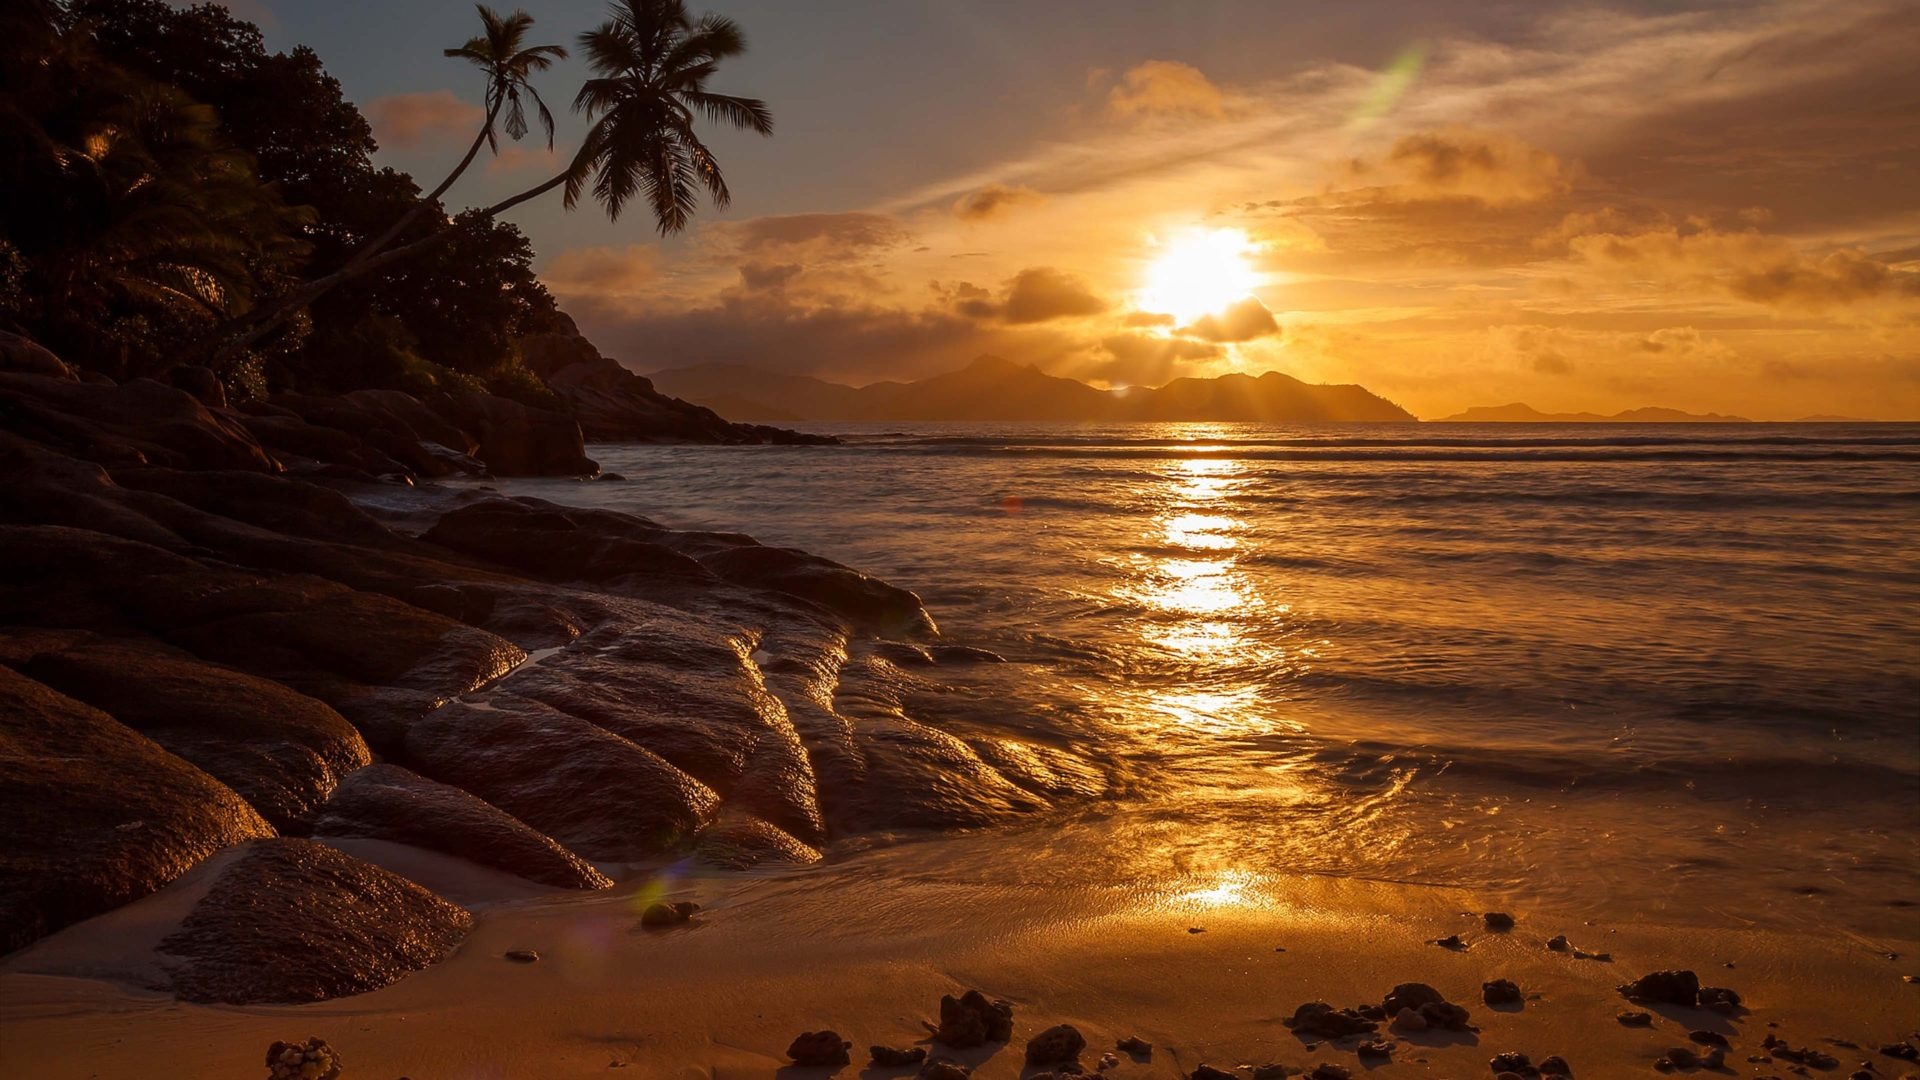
{"x":865,"y":945}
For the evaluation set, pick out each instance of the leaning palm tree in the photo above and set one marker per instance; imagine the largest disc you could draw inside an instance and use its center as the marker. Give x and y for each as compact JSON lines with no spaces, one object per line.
{"x":652,"y":61}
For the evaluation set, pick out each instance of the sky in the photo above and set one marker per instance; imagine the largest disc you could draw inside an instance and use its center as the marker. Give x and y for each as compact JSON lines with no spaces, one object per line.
{"x":1707,"y":206}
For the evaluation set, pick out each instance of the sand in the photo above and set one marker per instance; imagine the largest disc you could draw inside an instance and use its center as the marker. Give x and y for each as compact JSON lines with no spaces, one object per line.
{"x":868,"y":942}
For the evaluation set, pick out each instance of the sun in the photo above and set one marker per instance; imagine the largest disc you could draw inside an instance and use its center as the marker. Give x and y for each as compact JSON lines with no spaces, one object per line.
{"x":1198,"y":272}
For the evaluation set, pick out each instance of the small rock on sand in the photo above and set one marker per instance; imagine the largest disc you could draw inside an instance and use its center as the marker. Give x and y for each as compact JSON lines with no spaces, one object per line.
{"x":1329,"y":1071}
{"x":1061,"y":1042}
{"x":971,"y":1019}
{"x":1498,"y":921}
{"x":1378,"y":1048}
{"x":889,"y":1057}
{"x":1451,"y":941}
{"x":522,"y":956}
{"x":1559,"y":943}
{"x":1135,"y":1046}
{"x":1664,"y":988}
{"x":944,"y":1069}
{"x":1409,"y":1020}
{"x":819,"y":1048}
{"x":1271,"y":1071}
{"x":1511,"y":1062}
{"x":1554,"y":1065}
{"x":1500,"y":992}
{"x":311,"y":1060}
{"x":1708,"y":1038}
{"x":1319,"y":1019}
{"x":1208,"y":1072}
{"x":664,"y":914}
{"x":1108,"y":1060}
{"x":1635,"y":1019}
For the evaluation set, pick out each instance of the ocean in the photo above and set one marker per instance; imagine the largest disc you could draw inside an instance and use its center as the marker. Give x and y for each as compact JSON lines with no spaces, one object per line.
{"x":1571,"y":665}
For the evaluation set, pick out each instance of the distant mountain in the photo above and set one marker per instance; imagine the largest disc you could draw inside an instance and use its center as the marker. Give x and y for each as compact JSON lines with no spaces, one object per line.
{"x":994,"y":389}
{"x":1823,"y":418}
{"x":1517,"y":413}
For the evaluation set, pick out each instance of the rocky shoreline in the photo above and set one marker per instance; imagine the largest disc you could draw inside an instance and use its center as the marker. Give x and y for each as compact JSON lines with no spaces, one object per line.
{"x":263,"y":629}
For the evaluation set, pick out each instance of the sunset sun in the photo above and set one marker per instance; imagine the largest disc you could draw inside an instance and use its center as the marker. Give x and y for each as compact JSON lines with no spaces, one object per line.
{"x":1198,"y":272}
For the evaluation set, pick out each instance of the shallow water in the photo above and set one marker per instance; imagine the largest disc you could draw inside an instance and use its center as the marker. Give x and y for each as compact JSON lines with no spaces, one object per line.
{"x":1676,"y":667}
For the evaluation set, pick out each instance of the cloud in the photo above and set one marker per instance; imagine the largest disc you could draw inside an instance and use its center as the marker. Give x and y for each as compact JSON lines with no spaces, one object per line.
{"x":1242,"y":321}
{"x":516,"y":158}
{"x":405,"y":121}
{"x":1458,"y":164}
{"x":823,"y":235}
{"x":602,"y":271}
{"x":1752,"y":266}
{"x":1166,"y":88}
{"x":993,"y":201}
{"x":1036,"y":294}
{"x":1147,"y":359}
{"x":759,"y":275}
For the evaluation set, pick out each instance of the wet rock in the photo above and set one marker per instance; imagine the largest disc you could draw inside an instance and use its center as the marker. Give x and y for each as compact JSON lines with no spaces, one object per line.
{"x":1135,"y":1047}
{"x":336,"y":926}
{"x":1498,"y":921}
{"x":1511,"y":1062}
{"x":743,"y":843}
{"x":1554,"y":1065}
{"x":1664,"y":987}
{"x":23,"y":356}
{"x":1378,"y":1048}
{"x":557,"y":543}
{"x":891,"y":1058}
{"x":1559,"y":943}
{"x":1061,"y":1042}
{"x":523,"y":956}
{"x":310,"y":1060}
{"x":95,"y":815}
{"x":661,"y":914}
{"x":592,"y":791}
{"x":280,"y":750}
{"x":944,"y":1069}
{"x":1330,"y":1071}
{"x":1410,"y":996}
{"x":134,"y":423}
{"x":1708,"y":1038}
{"x":1321,"y":1020}
{"x":1208,"y":1072}
{"x":518,"y":440}
{"x":1906,"y":1051}
{"x":1451,"y":941}
{"x":971,"y":1019}
{"x":1108,"y":1060}
{"x":1500,"y":992}
{"x":1635,"y":1019}
{"x":386,"y":802}
{"x":819,"y":1048}
{"x":1719,"y":999}
{"x":865,"y":602}
{"x":1272,"y":1070}
{"x":1409,"y":1020}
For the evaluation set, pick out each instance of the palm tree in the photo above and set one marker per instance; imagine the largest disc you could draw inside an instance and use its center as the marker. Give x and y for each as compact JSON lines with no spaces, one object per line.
{"x":652,"y":60}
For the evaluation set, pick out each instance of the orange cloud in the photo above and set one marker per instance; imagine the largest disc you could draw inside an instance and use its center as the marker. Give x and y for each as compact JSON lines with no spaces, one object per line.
{"x":1457,"y":164}
{"x":994,"y":200}
{"x":515,"y":158}
{"x":404,"y":121}
{"x":602,"y":271}
{"x":1242,"y":321}
{"x":1751,"y":266}
{"x":1163,"y":88}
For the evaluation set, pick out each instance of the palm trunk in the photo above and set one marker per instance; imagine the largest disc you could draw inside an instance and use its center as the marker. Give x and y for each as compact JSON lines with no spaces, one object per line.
{"x":359,"y":267}
{"x":367,"y":251}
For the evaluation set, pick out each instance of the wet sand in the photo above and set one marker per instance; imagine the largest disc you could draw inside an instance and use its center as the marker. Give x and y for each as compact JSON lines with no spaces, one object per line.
{"x":865,"y":945}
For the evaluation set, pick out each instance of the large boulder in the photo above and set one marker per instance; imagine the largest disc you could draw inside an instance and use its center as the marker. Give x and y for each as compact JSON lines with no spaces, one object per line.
{"x":138,"y":422}
{"x":95,"y":815}
{"x":27,"y":357}
{"x":292,"y":921}
{"x":559,"y":543}
{"x":518,"y":440}
{"x":386,"y":802}
{"x":281,"y":751}
{"x":588,"y":788}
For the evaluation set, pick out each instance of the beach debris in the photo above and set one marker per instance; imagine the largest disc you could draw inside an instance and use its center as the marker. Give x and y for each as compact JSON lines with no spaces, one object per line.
{"x":1135,"y":1046}
{"x":1451,"y":941}
{"x":889,"y":1057}
{"x":311,"y":1060}
{"x":1329,"y":1071}
{"x":819,"y":1048}
{"x":1500,"y":992}
{"x":1497,"y":921}
{"x":1317,"y":1018}
{"x":1554,"y":1065}
{"x":1635,"y":1019}
{"x":971,"y":1019}
{"x":1108,"y":1060}
{"x":1196,"y":929}
{"x":664,"y":914}
{"x":1709,"y":1038}
{"x":1409,"y":1020}
{"x":1429,"y":1004}
{"x":1061,"y":1042}
{"x":1559,"y":943}
{"x":1208,"y":1072}
{"x":1603,"y":957}
{"x":1511,"y":1062}
{"x":1664,"y":988}
{"x":523,"y":956}
{"x":1818,"y":1059}
{"x":944,"y":1069}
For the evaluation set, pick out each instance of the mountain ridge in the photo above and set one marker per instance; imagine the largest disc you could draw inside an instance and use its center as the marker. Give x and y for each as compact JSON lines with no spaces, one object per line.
{"x":992,"y":388}
{"x":1520,"y":413}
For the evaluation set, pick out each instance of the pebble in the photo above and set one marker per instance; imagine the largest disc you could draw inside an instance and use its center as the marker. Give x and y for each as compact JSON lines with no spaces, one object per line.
{"x":1500,"y":992}
{"x":944,"y":1069}
{"x":1497,"y":920}
{"x":522,"y":956}
{"x":1451,"y":941}
{"x":1559,"y":943}
{"x":663,"y":914}
{"x":311,"y":1060}
{"x":1635,"y":1019}
{"x":819,"y":1048}
{"x":1329,"y":1071}
{"x":1061,"y":1042}
{"x":1378,"y":1048}
{"x":1511,"y":1062}
{"x":1271,"y":1071}
{"x":1554,"y":1065}
{"x":1135,"y":1046}
{"x":893,"y":1058}
{"x":1108,"y":1060}
{"x":1208,"y":1072}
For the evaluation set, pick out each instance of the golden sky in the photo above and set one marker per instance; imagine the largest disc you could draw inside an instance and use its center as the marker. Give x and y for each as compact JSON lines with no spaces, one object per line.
{"x":1712,"y":209}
